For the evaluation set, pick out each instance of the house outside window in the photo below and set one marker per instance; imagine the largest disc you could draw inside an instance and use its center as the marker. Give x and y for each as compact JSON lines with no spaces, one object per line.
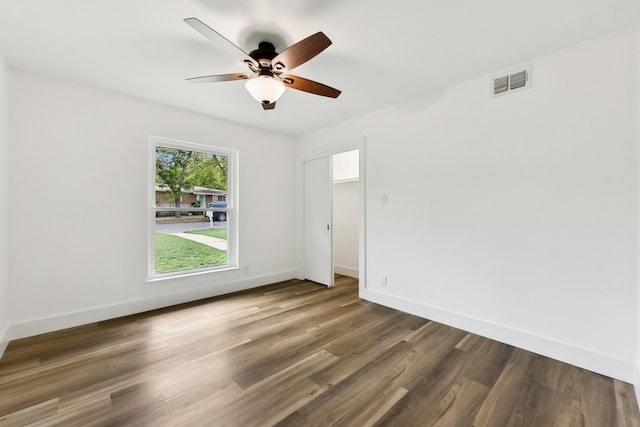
{"x":186,"y":235}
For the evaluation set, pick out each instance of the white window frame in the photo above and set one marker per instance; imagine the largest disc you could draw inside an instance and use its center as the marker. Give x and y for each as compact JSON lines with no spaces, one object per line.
{"x":232,"y":207}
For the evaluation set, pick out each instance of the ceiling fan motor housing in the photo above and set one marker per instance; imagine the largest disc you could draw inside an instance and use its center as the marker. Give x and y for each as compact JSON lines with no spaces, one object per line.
{"x":263,"y":55}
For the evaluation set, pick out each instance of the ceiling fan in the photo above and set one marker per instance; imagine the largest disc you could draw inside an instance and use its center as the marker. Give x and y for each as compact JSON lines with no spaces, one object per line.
{"x":269,"y":70}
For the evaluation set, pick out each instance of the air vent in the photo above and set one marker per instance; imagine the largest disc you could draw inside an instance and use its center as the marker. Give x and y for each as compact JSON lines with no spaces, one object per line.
{"x":518,"y":80}
{"x":501,"y":84}
{"x":507,"y":82}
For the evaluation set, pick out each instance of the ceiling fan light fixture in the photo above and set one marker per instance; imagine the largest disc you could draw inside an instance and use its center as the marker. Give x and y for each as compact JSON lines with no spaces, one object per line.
{"x":265,"y":89}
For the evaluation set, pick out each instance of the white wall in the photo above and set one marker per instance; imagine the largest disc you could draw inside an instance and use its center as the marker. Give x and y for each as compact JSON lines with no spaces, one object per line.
{"x":4,"y":210}
{"x":345,"y":227}
{"x":513,"y":217}
{"x":79,"y":220}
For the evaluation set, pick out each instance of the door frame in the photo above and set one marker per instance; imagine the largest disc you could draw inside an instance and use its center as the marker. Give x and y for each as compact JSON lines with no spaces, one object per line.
{"x":330,"y":150}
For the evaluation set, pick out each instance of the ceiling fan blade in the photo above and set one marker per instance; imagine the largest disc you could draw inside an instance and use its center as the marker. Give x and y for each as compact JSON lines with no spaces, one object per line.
{"x":269,"y":106}
{"x":300,"y":52}
{"x":220,"y":41}
{"x":219,"y":78}
{"x":310,"y":86}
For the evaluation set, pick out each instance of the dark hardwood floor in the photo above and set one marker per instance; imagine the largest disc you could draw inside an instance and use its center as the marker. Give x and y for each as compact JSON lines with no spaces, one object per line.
{"x":294,"y":354}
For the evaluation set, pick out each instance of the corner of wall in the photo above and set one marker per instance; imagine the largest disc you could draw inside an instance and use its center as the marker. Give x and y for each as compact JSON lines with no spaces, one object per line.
{"x":4,"y":213}
{"x":637,"y":366}
{"x":636,"y":386}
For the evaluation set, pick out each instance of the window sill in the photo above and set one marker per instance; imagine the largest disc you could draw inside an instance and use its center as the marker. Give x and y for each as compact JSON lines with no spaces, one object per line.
{"x":179,"y":275}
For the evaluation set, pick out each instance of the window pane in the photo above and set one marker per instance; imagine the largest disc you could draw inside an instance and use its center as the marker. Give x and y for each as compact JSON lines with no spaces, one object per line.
{"x":191,"y":209}
{"x":189,"y":242}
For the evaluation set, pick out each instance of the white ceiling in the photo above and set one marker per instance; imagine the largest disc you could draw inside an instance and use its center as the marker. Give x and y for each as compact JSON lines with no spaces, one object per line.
{"x":383,"y":51}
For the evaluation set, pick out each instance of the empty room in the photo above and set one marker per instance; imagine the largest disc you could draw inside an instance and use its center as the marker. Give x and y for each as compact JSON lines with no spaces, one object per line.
{"x":306,"y":213}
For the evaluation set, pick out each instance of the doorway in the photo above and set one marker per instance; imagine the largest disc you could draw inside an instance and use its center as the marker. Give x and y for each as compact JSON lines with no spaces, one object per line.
{"x":344,"y":207}
{"x":334,"y":217}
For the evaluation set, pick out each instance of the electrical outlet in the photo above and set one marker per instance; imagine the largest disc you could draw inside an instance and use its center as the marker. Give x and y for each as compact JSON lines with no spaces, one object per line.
{"x":247,"y":269}
{"x":384,"y":280}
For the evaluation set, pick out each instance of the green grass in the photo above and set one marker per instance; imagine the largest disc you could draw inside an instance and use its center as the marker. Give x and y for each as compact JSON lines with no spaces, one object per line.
{"x":220,"y":233}
{"x":174,"y":253}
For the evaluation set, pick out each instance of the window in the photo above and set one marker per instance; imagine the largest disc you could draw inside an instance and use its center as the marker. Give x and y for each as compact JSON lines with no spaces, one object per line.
{"x":188,"y":233}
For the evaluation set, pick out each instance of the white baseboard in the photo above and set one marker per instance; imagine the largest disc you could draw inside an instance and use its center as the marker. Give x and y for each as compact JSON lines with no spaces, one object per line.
{"x":97,"y":314}
{"x":346,"y":271}
{"x":4,"y":340}
{"x":604,"y":364}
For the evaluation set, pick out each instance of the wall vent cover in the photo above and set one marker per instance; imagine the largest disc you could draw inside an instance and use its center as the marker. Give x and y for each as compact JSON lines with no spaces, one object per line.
{"x":517,"y":80}
{"x":501,"y":84}
{"x":508,"y":82}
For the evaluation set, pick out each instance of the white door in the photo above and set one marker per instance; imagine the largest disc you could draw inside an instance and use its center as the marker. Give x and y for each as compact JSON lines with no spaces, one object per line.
{"x":318,"y":262}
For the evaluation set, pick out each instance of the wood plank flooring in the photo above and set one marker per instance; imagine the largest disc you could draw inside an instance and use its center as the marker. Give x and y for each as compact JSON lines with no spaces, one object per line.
{"x":295,"y":354}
